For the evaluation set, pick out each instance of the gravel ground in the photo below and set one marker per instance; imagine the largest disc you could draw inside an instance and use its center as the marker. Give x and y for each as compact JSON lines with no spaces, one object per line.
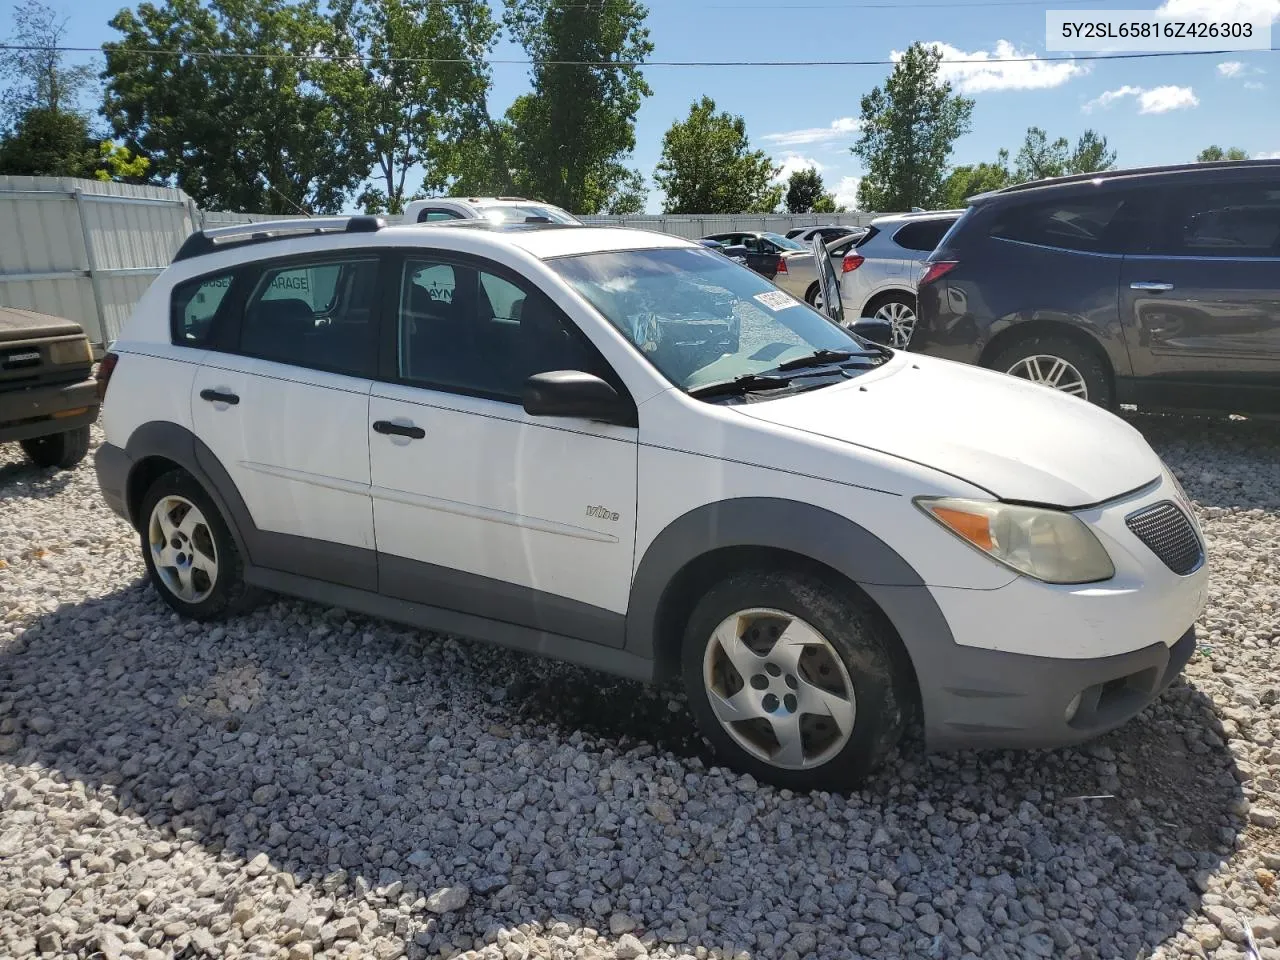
{"x":302,"y":783}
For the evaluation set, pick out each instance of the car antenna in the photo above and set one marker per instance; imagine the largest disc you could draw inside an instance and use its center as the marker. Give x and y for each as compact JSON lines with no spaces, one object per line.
{"x":302,"y":210}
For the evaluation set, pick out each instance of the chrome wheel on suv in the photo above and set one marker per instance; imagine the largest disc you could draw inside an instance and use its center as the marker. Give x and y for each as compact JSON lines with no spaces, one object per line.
{"x":182,"y":549}
{"x":902,"y":317}
{"x":1052,"y":372}
{"x":779,"y":689}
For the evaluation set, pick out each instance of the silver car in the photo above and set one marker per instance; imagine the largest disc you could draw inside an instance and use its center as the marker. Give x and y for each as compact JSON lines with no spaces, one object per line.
{"x":879,"y":274}
{"x":788,"y":263}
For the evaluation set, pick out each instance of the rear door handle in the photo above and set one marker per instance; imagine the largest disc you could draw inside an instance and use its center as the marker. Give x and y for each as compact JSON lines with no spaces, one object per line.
{"x":398,"y":429}
{"x":1151,"y":286}
{"x":219,"y":396}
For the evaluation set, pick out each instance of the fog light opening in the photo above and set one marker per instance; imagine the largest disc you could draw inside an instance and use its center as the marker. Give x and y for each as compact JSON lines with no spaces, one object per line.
{"x":1074,"y":706}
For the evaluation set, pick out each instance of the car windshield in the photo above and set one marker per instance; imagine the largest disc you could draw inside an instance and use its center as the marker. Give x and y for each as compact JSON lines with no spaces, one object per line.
{"x":518,"y":213}
{"x":702,"y":319}
{"x":786,"y":243}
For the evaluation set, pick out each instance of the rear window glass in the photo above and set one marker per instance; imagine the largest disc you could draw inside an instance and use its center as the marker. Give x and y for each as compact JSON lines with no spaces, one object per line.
{"x":1094,"y":224}
{"x":195,"y":306}
{"x":923,"y":236}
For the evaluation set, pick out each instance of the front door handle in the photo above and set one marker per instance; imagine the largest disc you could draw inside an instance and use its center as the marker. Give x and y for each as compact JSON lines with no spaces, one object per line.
{"x":219,"y":396}
{"x":398,"y":429}
{"x":1151,"y":286}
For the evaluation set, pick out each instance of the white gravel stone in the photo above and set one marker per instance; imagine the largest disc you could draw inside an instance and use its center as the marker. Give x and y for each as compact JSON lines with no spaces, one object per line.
{"x":298,"y":777}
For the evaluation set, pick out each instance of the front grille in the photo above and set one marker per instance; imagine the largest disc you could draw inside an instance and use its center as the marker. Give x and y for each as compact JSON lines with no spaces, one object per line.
{"x":1170,"y":535}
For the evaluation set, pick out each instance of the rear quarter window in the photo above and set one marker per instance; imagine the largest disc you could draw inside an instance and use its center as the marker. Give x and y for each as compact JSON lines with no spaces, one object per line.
{"x":195,"y":306}
{"x":924,"y":236}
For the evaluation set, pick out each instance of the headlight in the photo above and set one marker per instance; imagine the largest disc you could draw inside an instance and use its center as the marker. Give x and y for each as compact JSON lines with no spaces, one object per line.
{"x":1048,"y":545}
{"x":70,"y":351}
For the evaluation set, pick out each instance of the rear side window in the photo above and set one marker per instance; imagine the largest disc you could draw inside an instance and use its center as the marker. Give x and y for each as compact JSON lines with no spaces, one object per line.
{"x":1227,"y":220}
{"x":194,"y":307}
{"x":871,"y":232}
{"x":923,"y":236}
{"x":435,"y":215}
{"x":1092,"y":224}
{"x":319,"y":315}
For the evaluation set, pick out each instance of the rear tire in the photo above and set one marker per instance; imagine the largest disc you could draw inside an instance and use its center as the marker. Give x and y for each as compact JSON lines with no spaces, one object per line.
{"x":792,"y":679}
{"x":900,"y":310}
{"x":811,"y":295}
{"x":63,"y":450}
{"x":190,"y":554}
{"x":1059,"y":363}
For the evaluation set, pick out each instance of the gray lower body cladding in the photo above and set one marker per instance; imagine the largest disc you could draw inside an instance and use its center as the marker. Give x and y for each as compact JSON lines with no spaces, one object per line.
{"x":971,"y":697}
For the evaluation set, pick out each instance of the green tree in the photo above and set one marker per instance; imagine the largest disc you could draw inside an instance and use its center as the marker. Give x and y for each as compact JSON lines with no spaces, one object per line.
{"x":969,"y":181}
{"x":1211,"y":154}
{"x":406,"y":82}
{"x":629,"y":194}
{"x":571,"y":134}
{"x":908,"y":130}
{"x":35,"y":74}
{"x":827,"y":204}
{"x":253,"y":133}
{"x":708,"y":166}
{"x":58,"y":143}
{"x":117,"y":162}
{"x":1040,"y":158}
{"x":804,"y":189}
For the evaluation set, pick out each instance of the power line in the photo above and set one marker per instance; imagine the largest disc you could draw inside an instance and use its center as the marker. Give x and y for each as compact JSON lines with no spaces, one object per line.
{"x":361,"y":58}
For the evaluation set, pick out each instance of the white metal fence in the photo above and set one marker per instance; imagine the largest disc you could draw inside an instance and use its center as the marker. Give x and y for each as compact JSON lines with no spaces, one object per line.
{"x":87,"y":251}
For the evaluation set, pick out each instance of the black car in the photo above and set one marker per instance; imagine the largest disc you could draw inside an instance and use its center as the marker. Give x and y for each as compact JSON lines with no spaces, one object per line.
{"x":1158,"y":287}
{"x":761,"y":249}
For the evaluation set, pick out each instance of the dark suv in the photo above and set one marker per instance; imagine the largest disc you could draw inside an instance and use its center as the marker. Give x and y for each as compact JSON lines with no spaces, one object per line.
{"x":1158,"y":287}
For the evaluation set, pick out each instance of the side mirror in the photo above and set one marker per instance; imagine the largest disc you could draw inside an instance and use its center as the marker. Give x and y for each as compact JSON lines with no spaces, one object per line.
{"x":877,"y":331}
{"x":572,"y":393}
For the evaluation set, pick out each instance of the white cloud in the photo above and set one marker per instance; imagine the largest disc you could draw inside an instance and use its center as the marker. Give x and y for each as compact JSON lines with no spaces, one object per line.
{"x":840,"y":128}
{"x":1254,"y":85}
{"x":1267,"y":156}
{"x":1232,"y":68}
{"x":1154,"y":100}
{"x":983,"y":74}
{"x":793,"y":162}
{"x":847,"y":192}
{"x":1223,"y":9}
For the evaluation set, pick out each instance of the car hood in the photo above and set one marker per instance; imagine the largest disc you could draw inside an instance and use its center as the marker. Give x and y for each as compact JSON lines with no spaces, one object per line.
{"x":1017,"y":440}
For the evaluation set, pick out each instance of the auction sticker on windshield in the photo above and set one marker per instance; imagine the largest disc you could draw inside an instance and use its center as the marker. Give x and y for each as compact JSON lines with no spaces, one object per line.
{"x":776,"y":300}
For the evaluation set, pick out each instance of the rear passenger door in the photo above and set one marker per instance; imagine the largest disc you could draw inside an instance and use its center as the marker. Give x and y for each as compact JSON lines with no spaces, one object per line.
{"x":284,"y":407}
{"x":1202,"y":295}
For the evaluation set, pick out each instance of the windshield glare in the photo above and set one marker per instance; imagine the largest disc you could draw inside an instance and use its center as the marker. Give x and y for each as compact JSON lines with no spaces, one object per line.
{"x":786,"y":243}
{"x":699,"y":317}
{"x":511,"y":213}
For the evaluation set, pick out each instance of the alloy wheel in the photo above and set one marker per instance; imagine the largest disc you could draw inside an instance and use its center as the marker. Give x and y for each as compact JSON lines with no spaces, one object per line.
{"x":903,"y":320}
{"x":1052,"y":372}
{"x":779,"y":688}
{"x":183,"y":549}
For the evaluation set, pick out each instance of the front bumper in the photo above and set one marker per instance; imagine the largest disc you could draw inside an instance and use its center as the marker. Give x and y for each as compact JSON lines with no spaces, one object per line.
{"x":41,"y":411}
{"x":985,"y":698}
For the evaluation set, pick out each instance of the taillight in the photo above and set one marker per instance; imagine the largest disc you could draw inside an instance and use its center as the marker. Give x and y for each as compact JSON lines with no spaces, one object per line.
{"x":938,"y":270}
{"x":105,"y":369}
{"x":852,"y":262}
{"x":782,"y":265}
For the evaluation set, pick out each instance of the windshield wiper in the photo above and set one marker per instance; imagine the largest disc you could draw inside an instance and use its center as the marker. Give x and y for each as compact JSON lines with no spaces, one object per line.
{"x":821,"y":358}
{"x":743,"y":384}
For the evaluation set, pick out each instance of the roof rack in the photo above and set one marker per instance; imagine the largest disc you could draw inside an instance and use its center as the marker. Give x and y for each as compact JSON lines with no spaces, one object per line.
{"x":208,"y":241}
{"x":1128,"y":172}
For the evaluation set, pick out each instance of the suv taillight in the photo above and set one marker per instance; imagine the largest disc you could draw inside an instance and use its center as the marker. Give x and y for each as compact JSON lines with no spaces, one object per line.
{"x":938,"y":270}
{"x":105,"y":369}
{"x":852,"y":262}
{"x":782,"y":265}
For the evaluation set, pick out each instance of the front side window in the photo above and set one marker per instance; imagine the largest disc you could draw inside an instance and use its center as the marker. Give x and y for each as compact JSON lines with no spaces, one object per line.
{"x":1227,"y":220}
{"x":318,"y":315}
{"x":436,"y":215}
{"x":781,"y":242}
{"x":195,"y":306}
{"x":473,"y":331}
{"x":697,"y":316}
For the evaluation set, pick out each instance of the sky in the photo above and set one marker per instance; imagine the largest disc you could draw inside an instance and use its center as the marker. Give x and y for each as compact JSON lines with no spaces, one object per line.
{"x":1151,"y":111}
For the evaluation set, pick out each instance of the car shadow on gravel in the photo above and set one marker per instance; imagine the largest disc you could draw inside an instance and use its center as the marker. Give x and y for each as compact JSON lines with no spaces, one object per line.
{"x":23,"y":478}
{"x":260,"y":735}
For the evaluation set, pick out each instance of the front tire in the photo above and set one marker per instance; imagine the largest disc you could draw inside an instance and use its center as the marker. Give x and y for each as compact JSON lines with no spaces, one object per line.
{"x":190,"y":554}
{"x":1058,"y":363}
{"x":64,"y":450}
{"x":791,"y":679}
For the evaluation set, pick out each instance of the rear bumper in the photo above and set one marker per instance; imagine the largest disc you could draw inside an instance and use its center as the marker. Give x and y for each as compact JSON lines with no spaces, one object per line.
{"x":113,"y":466}
{"x":41,"y":411}
{"x":985,"y":698}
